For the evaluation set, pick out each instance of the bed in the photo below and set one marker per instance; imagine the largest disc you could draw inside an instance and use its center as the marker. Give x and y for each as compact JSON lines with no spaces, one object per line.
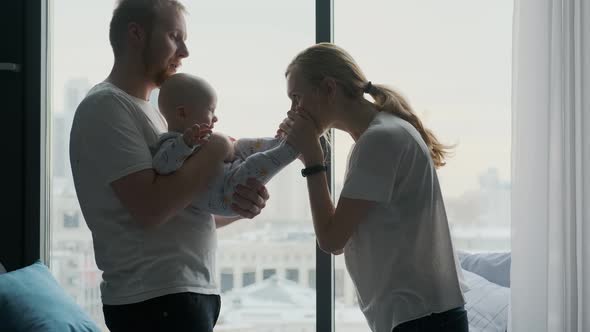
{"x":487,"y":301}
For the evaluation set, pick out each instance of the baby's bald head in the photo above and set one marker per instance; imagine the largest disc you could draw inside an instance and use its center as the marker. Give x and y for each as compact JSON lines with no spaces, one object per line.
{"x":186,"y":95}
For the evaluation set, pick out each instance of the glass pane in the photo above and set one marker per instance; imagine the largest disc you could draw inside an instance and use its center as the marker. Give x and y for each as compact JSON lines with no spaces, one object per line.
{"x":242,"y":49}
{"x":452,"y":60}
{"x":79,"y":58}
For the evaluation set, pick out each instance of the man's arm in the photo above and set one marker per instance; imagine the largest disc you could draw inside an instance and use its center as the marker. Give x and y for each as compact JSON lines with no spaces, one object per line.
{"x":153,"y":199}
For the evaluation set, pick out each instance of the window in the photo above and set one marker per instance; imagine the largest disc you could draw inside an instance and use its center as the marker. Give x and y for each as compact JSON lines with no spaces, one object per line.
{"x":242,"y":49}
{"x":292,"y":274}
{"x":267,"y":273}
{"x":248,"y":278}
{"x":451,"y":60}
{"x":227,"y":279}
{"x":72,"y":220}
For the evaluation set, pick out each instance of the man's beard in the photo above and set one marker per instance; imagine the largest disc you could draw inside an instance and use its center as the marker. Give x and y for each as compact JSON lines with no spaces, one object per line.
{"x":151,"y":63}
{"x":160,"y":76}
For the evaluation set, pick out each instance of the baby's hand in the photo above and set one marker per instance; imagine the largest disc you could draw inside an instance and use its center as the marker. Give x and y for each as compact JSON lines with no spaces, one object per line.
{"x":197,"y":135}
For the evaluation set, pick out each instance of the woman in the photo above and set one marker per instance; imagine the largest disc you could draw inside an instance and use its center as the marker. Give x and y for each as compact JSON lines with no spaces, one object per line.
{"x":390,"y":220}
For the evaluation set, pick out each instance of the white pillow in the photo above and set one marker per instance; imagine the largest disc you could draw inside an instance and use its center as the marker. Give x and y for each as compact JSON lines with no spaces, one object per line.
{"x":494,"y":266}
{"x":487,"y":304}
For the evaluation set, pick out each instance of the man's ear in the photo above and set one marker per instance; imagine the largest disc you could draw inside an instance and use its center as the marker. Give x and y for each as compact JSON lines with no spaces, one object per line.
{"x":136,"y":35}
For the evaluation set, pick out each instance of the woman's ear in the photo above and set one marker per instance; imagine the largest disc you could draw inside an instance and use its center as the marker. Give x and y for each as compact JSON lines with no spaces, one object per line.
{"x":328,"y":87}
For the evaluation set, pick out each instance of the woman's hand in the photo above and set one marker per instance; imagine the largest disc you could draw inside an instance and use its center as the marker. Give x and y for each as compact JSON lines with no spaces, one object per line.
{"x":302,"y":133}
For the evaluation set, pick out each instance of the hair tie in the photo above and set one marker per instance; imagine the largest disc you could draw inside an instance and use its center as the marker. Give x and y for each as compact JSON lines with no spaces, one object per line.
{"x":368,"y":87}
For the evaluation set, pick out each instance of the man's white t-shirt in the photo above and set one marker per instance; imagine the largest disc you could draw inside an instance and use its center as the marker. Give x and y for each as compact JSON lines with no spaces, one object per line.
{"x":111,"y":137}
{"x":400,"y":258}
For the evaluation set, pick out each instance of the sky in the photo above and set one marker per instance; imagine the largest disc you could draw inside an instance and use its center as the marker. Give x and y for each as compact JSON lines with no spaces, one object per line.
{"x":451,"y":59}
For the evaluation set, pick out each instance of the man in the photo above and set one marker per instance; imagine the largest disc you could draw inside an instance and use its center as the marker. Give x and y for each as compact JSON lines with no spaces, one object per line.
{"x":157,"y":254}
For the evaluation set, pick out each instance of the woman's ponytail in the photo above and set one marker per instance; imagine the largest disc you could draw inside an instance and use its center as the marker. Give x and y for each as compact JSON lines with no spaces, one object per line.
{"x":389,"y":100}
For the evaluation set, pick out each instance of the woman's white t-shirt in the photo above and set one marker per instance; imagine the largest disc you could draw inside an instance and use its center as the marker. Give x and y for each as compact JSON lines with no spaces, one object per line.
{"x":401,"y":258}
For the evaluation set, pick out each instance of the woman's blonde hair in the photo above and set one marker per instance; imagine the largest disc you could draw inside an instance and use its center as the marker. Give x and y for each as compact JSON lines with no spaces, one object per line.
{"x":328,"y":60}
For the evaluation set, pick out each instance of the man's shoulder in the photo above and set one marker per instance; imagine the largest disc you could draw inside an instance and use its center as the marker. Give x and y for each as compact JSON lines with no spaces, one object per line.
{"x":104,"y":101}
{"x":102,"y":93}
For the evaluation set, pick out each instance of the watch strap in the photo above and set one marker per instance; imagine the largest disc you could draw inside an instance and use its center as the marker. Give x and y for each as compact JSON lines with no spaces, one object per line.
{"x":310,"y":170}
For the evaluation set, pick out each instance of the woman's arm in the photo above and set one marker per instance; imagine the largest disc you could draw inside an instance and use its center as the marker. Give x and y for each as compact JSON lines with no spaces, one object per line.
{"x":333,"y":226}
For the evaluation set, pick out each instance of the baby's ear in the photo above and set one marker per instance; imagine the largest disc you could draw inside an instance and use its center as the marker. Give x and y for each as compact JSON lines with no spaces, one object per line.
{"x":181,"y":112}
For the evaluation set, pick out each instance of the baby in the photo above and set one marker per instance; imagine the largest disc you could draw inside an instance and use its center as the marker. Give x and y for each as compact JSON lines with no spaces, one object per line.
{"x":188,"y":104}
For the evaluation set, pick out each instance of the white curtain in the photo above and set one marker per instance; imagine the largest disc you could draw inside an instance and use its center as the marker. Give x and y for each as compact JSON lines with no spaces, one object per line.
{"x":550,"y":277}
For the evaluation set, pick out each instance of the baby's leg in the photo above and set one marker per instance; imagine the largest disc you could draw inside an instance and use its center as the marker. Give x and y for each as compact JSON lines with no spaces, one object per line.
{"x":215,"y":200}
{"x":261,"y":165}
{"x":245,"y":147}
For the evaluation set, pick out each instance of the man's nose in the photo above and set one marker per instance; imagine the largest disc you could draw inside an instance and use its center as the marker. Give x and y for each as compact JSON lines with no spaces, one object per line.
{"x":183,"y":51}
{"x":214,"y":119}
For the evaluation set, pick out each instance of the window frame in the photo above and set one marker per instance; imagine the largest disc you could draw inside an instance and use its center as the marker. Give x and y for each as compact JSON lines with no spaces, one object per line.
{"x":325,"y":307}
{"x":36,"y":133}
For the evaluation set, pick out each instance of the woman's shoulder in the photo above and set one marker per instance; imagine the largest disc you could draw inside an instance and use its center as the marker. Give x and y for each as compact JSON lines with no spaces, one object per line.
{"x":386,"y":128}
{"x":388,"y":133}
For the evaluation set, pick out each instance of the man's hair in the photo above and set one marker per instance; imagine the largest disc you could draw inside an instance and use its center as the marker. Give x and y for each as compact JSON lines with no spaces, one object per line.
{"x":142,"y":12}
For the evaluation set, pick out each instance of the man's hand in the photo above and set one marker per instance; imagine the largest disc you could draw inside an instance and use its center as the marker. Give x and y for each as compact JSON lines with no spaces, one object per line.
{"x":197,"y":134}
{"x":250,"y":199}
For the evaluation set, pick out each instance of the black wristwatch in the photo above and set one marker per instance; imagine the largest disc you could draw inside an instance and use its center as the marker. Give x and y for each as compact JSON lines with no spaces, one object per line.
{"x":313,"y":169}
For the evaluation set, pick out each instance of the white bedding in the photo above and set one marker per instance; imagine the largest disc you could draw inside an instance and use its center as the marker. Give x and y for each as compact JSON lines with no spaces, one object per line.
{"x":487,"y":304}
